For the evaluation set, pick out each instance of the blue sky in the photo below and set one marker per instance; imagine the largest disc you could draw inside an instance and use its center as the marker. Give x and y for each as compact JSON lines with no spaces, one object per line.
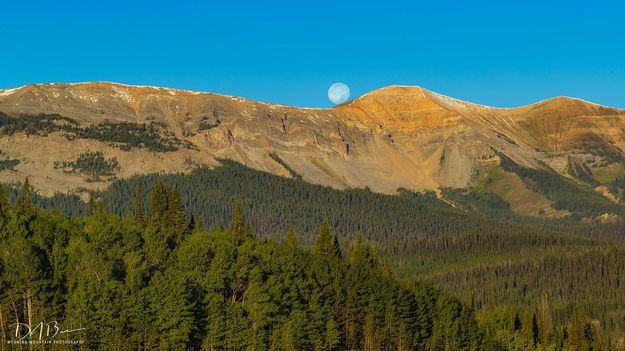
{"x":501,"y":53}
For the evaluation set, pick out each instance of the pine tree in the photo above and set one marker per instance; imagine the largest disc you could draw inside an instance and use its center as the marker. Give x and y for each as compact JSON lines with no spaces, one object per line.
{"x":192,"y":223}
{"x":362,"y":254}
{"x":158,"y":201}
{"x":99,"y":207}
{"x":546,"y":323}
{"x":172,"y":308}
{"x":4,"y":203}
{"x":332,"y":335}
{"x":529,"y":328}
{"x":91,"y":204}
{"x":237,"y":221}
{"x":249,"y":232}
{"x":216,"y":329}
{"x":176,"y":216}
{"x":335,"y":248}
{"x":369,"y":333}
{"x":386,"y":268}
{"x":326,"y":244}
{"x":577,"y":331}
{"x":139,"y":205}
{"x":535,"y":329}
{"x":291,"y":239}
{"x":25,"y":203}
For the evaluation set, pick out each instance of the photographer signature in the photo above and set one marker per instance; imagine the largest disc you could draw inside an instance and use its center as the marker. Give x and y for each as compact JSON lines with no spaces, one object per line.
{"x":44,"y":329}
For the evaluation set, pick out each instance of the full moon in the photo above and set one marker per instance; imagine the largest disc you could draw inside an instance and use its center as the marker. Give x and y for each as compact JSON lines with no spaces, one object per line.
{"x":338,"y":93}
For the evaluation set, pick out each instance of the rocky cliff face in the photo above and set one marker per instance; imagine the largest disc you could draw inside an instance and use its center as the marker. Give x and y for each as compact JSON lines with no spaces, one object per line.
{"x":390,"y":138}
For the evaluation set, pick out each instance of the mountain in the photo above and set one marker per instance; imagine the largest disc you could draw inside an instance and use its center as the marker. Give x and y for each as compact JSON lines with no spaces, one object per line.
{"x":536,"y":158}
{"x":516,"y":281}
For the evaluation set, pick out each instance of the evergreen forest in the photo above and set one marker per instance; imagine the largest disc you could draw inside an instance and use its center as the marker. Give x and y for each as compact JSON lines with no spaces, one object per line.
{"x":245,"y":260}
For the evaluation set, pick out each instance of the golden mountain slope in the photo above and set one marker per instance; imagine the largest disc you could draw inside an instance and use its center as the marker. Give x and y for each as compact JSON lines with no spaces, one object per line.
{"x":389,"y":138}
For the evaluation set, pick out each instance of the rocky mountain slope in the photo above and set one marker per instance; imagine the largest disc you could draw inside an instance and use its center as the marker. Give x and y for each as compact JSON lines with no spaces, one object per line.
{"x":81,"y":136}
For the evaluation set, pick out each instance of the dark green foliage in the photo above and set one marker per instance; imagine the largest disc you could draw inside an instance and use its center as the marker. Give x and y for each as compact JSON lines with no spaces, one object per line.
{"x":566,"y":194}
{"x":159,"y":197}
{"x":579,"y":334}
{"x":293,"y":174}
{"x":291,"y":239}
{"x":133,"y":135}
{"x":617,"y":187}
{"x":138,"y":208}
{"x":276,"y":203}
{"x":4,"y":204}
{"x":24,"y":204}
{"x":326,"y":243}
{"x":42,"y":125}
{"x":8,"y":165}
{"x":124,"y":135}
{"x":480,"y":202}
{"x":72,"y":205}
{"x":91,"y":203}
{"x":166,"y":213}
{"x":91,"y":163}
{"x":176,"y":216}
{"x":240,"y":228}
{"x":205,"y":124}
{"x":588,"y":278}
{"x":597,"y":146}
{"x":581,"y":172}
{"x":237,"y":220}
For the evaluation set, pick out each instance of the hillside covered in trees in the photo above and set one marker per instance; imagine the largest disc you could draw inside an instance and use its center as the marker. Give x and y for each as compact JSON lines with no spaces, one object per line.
{"x":534,"y":284}
{"x":152,"y":281}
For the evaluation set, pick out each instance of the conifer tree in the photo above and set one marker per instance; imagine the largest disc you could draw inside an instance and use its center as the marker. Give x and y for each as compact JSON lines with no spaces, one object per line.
{"x":386,"y":268}
{"x":192,"y":223}
{"x":4,"y":203}
{"x":91,"y":204}
{"x":248,"y":232}
{"x":325,"y":243}
{"x":139,"y":205}
{"x":535,"y":329}
{"x":546,"y":322}
{"x":99,"y":207}
{"x":332,"y":335}
{"x":577,"y":331}
{"x":176,"y":216}
{"x":369,"y":334}
{"x":529,"y":327}
{"x":237,"y":220}
{"x":95,"y":205}
{"x":291,"y":239}
{"x":158,"y":201}
{"x":25,"y":203}
{"x":335,"y":248}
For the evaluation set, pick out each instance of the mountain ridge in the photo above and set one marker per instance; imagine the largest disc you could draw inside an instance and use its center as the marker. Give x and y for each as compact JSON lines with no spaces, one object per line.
{"x":393,"y":137}
{"x":8,"y":91}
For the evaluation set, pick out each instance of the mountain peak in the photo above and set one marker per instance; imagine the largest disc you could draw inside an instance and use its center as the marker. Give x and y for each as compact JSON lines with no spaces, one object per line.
{"x":391,"y":91}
